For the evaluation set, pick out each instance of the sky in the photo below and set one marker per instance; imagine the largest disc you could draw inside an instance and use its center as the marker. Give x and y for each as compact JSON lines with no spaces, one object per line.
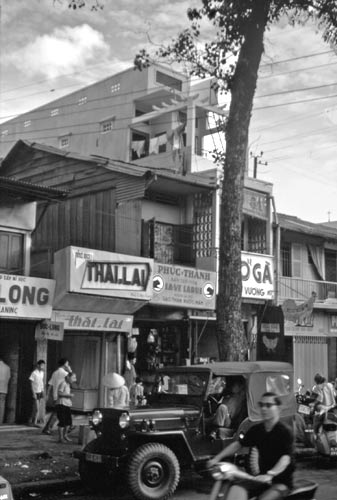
{"x":48,"y":50}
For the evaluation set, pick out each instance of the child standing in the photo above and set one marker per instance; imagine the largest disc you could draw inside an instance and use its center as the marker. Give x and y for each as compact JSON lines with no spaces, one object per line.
{"x":63,"y":407}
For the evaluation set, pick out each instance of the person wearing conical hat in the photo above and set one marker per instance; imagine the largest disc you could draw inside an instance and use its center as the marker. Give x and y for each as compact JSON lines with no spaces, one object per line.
{"x":118,"y":396}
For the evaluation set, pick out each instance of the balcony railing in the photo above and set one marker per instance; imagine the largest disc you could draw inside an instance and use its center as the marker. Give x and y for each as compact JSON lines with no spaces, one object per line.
{"x":301,"y":289}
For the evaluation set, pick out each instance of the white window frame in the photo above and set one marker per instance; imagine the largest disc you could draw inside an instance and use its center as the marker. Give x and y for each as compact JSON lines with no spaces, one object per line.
{"x":64,"y":138}
{"x":108,"y":125}
{"x":115,"y":87}
{"x":82,"y":100}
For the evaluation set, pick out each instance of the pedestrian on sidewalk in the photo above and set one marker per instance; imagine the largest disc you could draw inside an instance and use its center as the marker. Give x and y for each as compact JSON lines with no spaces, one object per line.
{"x":5,"y":375}
{"x":63,"y":407}
{"x":37,"y":385}
{"x":52,"y":392}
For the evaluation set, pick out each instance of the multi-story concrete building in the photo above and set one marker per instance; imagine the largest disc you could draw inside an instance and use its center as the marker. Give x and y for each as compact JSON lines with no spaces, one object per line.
{"x":132,"y":152}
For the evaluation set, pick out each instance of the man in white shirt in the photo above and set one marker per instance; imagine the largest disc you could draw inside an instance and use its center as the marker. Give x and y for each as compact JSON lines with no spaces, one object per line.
{"x":37,"y":385}
{"x":5,"y":375}
{"x":57,"y":377}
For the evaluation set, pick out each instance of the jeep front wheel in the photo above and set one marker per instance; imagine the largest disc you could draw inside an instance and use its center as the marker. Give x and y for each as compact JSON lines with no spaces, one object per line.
{"x":153,"y":472}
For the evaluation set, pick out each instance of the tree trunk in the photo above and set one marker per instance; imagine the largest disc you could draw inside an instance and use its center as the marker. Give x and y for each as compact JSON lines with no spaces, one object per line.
{"x":232,"y":343}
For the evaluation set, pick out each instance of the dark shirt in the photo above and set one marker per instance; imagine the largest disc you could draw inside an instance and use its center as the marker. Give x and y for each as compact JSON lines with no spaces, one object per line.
{"x":272,"y":446}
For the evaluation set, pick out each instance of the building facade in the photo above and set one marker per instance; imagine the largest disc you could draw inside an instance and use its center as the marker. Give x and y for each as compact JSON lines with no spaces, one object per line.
{"x":26,"y":299}
{"x":133,"y":153}
{"x":307,"y":291}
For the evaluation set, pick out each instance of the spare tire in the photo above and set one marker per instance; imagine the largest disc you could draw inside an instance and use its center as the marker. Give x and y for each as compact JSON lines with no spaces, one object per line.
{"x":153,"y":472}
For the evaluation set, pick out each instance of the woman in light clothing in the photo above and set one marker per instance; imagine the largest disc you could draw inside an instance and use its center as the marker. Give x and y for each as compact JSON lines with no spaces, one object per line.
{"x":118,"y":396}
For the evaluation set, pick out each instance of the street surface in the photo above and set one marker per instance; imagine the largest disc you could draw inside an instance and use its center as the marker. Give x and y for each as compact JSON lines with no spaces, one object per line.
{"x":193,"y":487}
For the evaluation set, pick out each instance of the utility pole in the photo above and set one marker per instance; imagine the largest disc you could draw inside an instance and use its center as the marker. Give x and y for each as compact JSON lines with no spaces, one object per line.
{"x":257,"y":162}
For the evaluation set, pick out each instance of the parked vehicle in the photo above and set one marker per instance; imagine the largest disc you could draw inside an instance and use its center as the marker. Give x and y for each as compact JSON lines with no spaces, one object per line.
{"x":5,"y":489}
{"x":226,"y":474}
{"x":151,"y":444}
{"x":326,"y":434}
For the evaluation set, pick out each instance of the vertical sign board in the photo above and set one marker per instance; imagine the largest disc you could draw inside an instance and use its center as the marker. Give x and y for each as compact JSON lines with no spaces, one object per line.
{"x":270,"y":334}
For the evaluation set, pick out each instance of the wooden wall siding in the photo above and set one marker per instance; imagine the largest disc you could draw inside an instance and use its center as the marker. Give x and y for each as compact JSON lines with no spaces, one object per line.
{"x":86,"y":221}
{"x":128,"y":228}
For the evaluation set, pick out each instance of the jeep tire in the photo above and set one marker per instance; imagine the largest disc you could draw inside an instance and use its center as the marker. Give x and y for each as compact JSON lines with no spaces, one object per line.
{"x":153,"y":472}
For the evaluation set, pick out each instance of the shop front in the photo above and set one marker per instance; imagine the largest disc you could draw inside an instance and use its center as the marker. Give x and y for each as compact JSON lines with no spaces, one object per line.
{"x":165,"y":327}
{"x":314,"y":346}
{"x":24,"y":302}
{"x":97,"y":294}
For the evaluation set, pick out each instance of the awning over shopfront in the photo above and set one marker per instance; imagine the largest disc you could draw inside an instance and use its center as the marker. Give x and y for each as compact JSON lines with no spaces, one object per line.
{"x":97,"y":304}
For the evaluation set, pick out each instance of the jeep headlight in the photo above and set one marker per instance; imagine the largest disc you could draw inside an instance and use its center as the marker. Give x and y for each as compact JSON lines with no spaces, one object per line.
{"x":97,"y":417}
{"x":124,"y":420}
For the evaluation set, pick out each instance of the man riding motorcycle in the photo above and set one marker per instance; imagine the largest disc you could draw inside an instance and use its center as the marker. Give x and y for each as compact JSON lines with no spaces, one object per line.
{"x":274,"y":442}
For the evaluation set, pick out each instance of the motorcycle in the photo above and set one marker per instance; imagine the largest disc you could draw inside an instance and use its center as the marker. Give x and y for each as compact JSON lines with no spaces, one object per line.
{"x":227,"y":474}
{"x":305,"y":416}
{"x":326,"y":433}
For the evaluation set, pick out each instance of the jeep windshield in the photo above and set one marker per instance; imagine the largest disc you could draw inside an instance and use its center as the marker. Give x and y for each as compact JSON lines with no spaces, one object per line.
{"x":179,"y":386}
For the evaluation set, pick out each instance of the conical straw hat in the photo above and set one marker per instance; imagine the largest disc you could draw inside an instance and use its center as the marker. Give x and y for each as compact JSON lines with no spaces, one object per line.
{"x":113,"y":380}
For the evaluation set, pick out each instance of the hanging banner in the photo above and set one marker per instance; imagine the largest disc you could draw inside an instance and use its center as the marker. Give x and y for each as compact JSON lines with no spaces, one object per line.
{"x":270,"y":334}
{"x":49,"y":330}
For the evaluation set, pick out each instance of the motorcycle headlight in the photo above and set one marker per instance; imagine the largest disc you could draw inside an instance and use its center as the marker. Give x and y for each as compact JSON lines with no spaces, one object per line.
{"x":97,"y":417}
{"x":124,"y":420}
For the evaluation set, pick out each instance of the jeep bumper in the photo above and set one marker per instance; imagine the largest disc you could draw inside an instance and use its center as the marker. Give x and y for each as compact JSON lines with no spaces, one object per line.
{"x":97,"y":458}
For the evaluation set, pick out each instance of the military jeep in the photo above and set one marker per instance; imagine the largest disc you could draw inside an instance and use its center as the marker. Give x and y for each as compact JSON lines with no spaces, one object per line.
{"x":175,"y":430}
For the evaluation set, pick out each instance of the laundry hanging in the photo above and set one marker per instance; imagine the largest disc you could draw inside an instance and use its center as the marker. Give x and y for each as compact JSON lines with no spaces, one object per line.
{"x":138,"y":147}
{"x":154,"y":145}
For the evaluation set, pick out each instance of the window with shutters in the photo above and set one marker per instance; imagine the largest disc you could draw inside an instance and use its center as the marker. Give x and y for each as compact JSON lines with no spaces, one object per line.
{"x":286,"y":259}
{"x":11,"y":252}
{"x":296,"y":254}
{"x":331,"y":265}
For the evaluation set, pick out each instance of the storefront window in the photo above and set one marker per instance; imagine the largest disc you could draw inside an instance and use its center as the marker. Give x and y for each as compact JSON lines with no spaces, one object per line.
{"x":84,"y":356}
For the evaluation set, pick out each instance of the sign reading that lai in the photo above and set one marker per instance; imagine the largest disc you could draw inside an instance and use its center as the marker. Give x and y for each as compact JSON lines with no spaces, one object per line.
{"x":97,"y":272}
{"x":184,"y":287}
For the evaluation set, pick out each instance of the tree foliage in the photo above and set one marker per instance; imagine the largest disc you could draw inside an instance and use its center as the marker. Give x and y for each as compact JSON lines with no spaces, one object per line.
{"x":232,"y":57}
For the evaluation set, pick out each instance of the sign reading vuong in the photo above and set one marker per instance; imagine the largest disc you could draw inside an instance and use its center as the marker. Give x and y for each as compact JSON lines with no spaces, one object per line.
{"x":257,"y":276}
{"x":25,"y":297}
{"x":183,"y":287}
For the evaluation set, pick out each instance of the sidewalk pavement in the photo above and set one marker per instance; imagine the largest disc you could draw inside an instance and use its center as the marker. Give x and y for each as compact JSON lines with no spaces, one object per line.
{"x":32,"y":461}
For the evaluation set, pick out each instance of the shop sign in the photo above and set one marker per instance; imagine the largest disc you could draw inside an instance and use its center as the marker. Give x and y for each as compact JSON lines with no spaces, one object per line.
{"x":257,"y":276}
{"x":49,"y":330}
{"x":25,"y":297}
{"x":255,"y":204}
{"x":183,"y":287}
{"x":97,"y":272}
{"x":74,"y":320}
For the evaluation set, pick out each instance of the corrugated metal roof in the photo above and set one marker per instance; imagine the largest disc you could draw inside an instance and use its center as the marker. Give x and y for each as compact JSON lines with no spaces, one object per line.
{"x":29,"y":191}
{"x":292,"y":223}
